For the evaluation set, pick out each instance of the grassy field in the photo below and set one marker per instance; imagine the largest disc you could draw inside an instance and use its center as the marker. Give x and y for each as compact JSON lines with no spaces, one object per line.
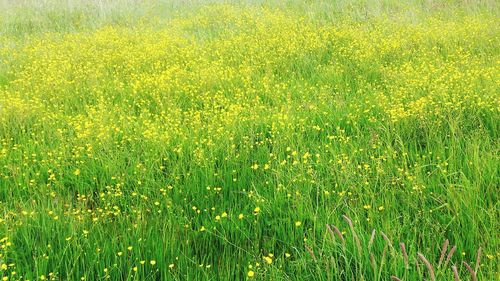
{"x":264,"y":140}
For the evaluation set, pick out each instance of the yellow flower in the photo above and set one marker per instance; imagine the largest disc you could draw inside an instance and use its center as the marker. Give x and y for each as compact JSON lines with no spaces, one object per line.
{"x":256,"y":210}
{"x":135,"y":268}
{"x":251,"y":274}
{"x":367,"y":207}
{"x":381,"y":208}
{"x":240,"y":216}
{"x":298,"y":223}
{"x":152,"y":262}
{"x":287,"y":255}
{"x":268,"y":260}
{"x":255,"y":166}
{"x":76,"y":172}
{"x":171,"y":265}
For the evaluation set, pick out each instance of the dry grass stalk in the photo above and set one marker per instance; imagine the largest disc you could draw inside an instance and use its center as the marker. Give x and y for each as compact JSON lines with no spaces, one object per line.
{"x":405,"y":255}
{"x":395,"y":278}
{"x":455,"y":273}
{"x":478,"y":260}
{"x":354,"y":234}
{"x":473,"y":275}
{"x":387,"y":240}
{"x":443,"y":251}
{"x":384,"y":253}
{"x":372,"y":238}
{"x":339,"y":234}
{"x":373,"y":263}
{"x":331,"y":231}
{"x":428,"y":265}
{"x":418,"y":267}
{"x":312,"y":253}
{"x":450,"y":254}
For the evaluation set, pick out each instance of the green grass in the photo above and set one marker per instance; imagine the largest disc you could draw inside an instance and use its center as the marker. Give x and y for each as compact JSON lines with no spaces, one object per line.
{"x":155,"y":125}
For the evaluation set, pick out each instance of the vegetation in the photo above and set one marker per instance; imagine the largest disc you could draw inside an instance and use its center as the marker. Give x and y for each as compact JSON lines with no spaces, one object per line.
{"x":342,"y":140}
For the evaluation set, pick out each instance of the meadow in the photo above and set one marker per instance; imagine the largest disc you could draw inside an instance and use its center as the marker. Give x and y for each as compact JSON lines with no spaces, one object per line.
{"x":259,"y":140}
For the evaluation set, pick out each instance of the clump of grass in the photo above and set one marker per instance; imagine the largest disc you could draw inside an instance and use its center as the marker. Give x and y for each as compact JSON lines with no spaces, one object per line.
{"x":331,"y":255}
